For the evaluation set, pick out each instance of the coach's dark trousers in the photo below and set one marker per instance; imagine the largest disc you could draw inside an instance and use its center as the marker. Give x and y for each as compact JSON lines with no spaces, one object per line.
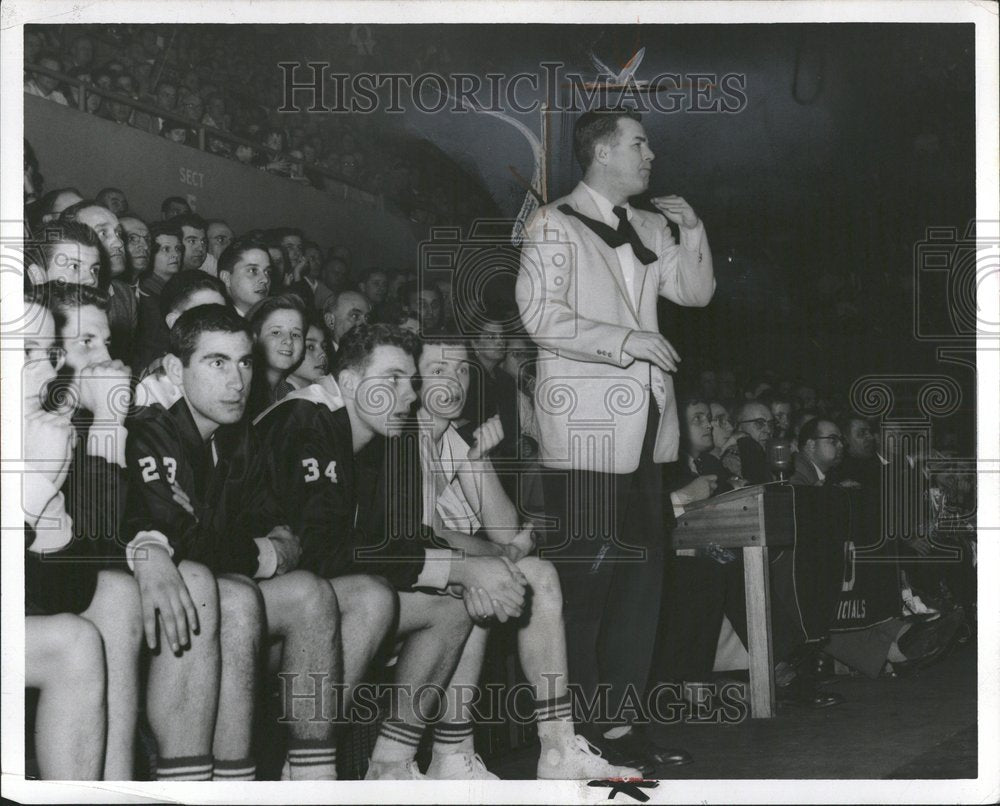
{"x":607,"y":545}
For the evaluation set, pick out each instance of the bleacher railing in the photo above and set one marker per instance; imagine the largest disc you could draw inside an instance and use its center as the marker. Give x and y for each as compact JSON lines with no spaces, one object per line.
{"x":205,"y":132}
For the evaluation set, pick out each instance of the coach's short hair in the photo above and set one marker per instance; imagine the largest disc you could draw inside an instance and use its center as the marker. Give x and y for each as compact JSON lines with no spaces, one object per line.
{"x":183,"y":285}
{"x":240,"y":246}
{"x":203,"y":319}
{"x":594,"y":127}
{"x":356,"y":348}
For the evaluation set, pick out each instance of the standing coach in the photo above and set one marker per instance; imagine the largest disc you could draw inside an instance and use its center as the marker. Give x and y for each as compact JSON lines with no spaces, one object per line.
{"x":591,"y":269}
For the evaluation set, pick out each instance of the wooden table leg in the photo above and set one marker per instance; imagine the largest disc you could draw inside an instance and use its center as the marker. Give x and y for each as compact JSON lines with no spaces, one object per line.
{"x":758,"y":600}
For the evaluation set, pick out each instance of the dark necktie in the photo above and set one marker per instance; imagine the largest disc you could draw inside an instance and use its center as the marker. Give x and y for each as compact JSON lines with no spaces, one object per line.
{"x":625,"y":234}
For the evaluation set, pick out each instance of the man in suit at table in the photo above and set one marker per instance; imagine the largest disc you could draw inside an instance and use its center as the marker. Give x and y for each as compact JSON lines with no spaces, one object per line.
{"x":821,"y":448}
{"x":591,"y":269}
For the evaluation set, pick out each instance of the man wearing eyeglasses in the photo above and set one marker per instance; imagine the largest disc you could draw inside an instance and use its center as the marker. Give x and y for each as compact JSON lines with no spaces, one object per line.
{"x":755,"y":426}
{"x":821,"y":447}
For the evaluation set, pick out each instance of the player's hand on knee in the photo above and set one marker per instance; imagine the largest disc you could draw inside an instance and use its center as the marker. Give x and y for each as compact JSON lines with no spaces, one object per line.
{"x":288,"y":547}
{"x":164,"y":594}
{"x":486,"y":438}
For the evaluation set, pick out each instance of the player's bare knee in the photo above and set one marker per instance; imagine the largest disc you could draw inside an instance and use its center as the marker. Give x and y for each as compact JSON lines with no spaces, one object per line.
{"x":543,"y":579}
{"x":315,"y":598}
{"x":241,"y":609}
{"x":374,"y":601}
{"x":82,"y":656}
{"x":118,"y":595}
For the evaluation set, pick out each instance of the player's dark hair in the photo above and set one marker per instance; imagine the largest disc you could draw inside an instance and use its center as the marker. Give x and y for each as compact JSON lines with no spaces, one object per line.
{"x":356,"y":348}
{"x":203,"y":319}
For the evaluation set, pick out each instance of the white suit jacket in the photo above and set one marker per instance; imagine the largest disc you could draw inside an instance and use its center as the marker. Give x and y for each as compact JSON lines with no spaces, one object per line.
{"x":592,"y":399}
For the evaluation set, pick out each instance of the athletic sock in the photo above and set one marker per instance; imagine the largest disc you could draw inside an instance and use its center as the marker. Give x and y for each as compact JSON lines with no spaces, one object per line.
{"x":554,"y":719}
{"x":397,"y":741}
{"x":453,"y":737}
{"x":310,"y":760}
{"x":184,"y":768}
{"x":240,"y":769}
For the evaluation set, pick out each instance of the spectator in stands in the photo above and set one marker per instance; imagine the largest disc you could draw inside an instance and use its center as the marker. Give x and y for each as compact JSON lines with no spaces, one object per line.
{"x":123,"y":309}
{"x":186,"y":289}
{"x":279,"y":327}
{"x":220,"y":235}
{"x":190,"y":108}
{"x":492,"y":392}
{"x":861,"y":463}
{"x":314,"y":257}
{"x":724,"y":439}
{"x":802,"y":416}
{"x":276,"y":144}
{"x":81,"y":52}
{"x":425,"y":301}
{"x":821,"y":447}
{"x":315,"y":363}
{"x":781,"y":410}
{"x":70,"y":253}
{"x":114,"y":199}
{"x":193,"y":229}
{"x":244,"y":271}
{"x":51,"y":205}
{"x":342,"y":312}
{"x":335,"y":278}
{"x":137,"y":242}
{"x":116,"y":110}
{"x":805,"y":396}
{"x":166,"y":99}
{"x":166,"y":254}
{"x":755,"y":425}
{"x":174,"y":206}
{"x":375,"y":286}
{"x":45,"y":86}
{"x":178,"y":132}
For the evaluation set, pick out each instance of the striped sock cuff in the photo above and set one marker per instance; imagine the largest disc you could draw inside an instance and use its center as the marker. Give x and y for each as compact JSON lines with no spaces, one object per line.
{"x":240,"y":769}
{"x":553,"y":709}
{"x":401,"y":732}
{"x":311,"y":752}
{"x":184,"y":768}
{"x":452,"y":732}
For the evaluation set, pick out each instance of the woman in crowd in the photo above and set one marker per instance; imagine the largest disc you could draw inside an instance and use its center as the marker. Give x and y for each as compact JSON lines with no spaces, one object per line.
{"x":279,"y":327}
{"x":315,"y":363}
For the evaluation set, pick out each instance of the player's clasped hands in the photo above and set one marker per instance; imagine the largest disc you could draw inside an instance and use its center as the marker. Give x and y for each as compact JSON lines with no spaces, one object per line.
{"x":494,"y":588}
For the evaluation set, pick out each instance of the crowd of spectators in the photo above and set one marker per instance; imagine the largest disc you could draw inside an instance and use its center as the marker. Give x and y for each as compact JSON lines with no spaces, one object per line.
{"x":182,"y":73}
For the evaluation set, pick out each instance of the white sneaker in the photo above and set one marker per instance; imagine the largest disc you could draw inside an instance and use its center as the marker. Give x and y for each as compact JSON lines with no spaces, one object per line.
{"x":913,"y":606}
{"x":393,"y":771}
{"x":579,"y":760}
{"x":459,"y":767}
